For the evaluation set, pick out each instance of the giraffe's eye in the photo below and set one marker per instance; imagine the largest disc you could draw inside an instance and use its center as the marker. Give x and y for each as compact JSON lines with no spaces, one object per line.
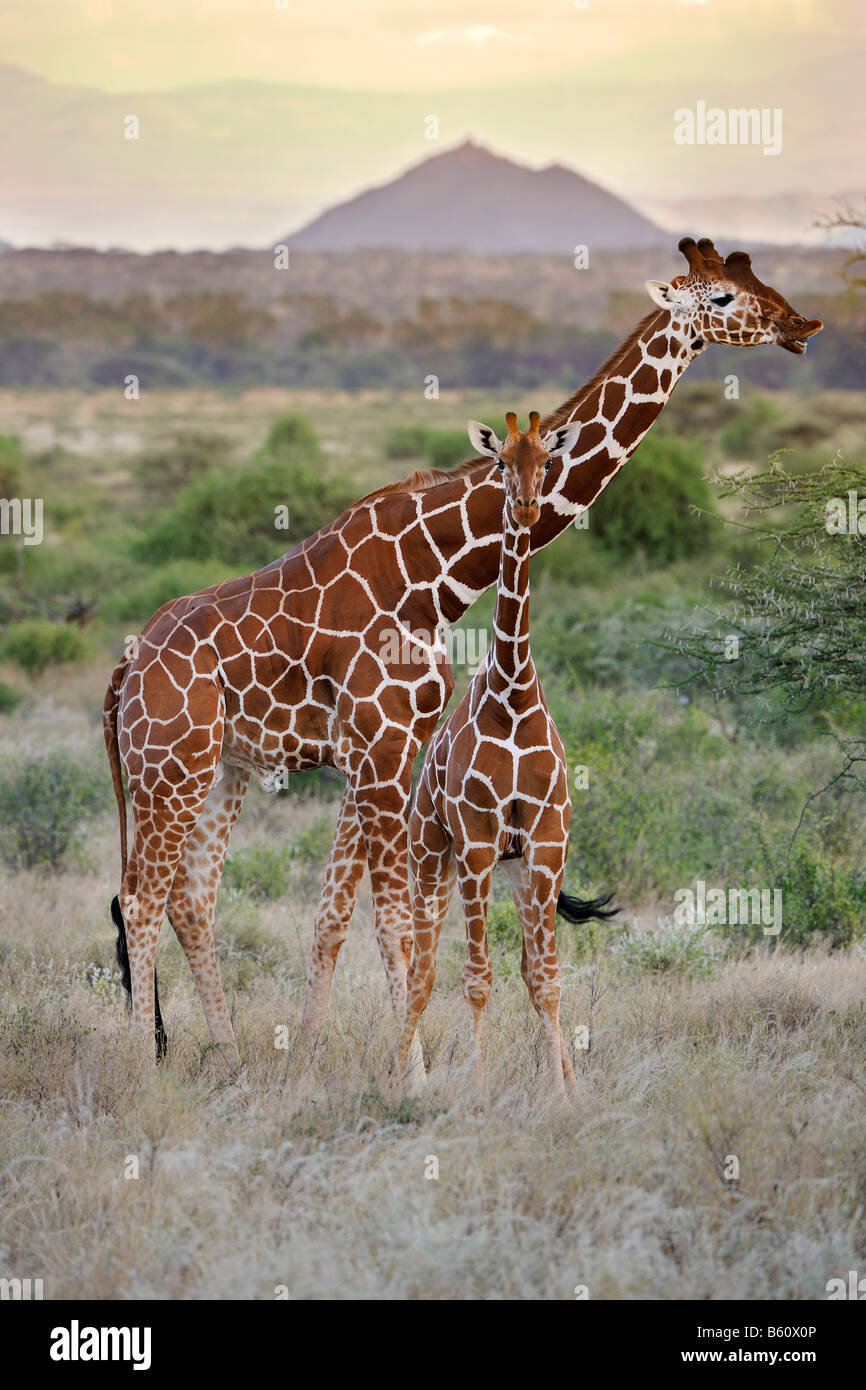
{"x":500,"y":465}
{"x":722,"y":300}
{"x":547,"y":465}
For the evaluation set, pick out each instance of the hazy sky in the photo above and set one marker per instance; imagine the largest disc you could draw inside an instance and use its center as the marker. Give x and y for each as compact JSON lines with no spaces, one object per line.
{"x":394,"y":45}
{"x":345,"y":86}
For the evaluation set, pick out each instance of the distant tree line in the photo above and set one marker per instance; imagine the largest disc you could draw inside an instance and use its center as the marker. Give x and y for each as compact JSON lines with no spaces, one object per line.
{"x":66,"y":339}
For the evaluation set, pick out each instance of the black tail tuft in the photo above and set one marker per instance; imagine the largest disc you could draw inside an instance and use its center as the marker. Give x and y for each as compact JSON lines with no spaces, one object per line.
{"x":576,"y":910}
{"x":126,"y":978}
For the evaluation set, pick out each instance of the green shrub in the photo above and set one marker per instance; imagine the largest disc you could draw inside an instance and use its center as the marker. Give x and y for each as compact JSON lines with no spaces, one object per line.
{"x":447,"y":448}
{"x":650,"y":505}
{"x":36,"y":644}
{"x":646,"y":822}
{"x":407,"y":442}
{"x":670,"y":947}
{"x":44,"y":807}
{"x":821,"y":901}
{"x":313,"y":845}
{"x":11,"y":466}
{"x":503,"y":925}
{"x":752,"y":433}
{"x":231,"y":514}
{"x":191,"y":456}
{"x":9,"y":698}
{"x":267,"y":872}
{"x":260,"y":871}
{"x":138,"y":602}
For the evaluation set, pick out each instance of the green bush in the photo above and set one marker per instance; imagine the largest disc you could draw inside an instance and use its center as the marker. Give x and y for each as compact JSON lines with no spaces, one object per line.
{"x":191,"y":456}
{"x":9,"y":698}
{"x":821,"y":901}
{"x":313,"y":845}
{"x":670,"y":947}
{"x":44,"y":807}
{"x":447,"y":448}
{"x":441,"y":448}
{"x":646,"y":823}
{"x":503,"y":925}
{"x":138,"y":601}
{"x":11,"y":466}
{"x":231,"y":514}
{"x":752,"y":433}
{"x":260,"y":871}
{"x":407,"y":442}
{"x":36,"y":644}
{"x":650,"y":505}
{"x":266,"y":871}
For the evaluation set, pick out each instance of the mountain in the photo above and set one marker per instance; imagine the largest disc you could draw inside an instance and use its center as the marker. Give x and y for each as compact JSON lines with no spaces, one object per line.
{"x":470,"y":199}
{"x":237,"y":163}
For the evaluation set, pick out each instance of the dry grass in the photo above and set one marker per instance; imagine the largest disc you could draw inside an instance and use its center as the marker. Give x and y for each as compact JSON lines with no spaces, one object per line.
{"x":311,"y":1173}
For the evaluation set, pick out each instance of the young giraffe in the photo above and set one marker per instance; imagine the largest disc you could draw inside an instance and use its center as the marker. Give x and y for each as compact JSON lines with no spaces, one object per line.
{"x":495,"y":785}
{"x":294,"y":666}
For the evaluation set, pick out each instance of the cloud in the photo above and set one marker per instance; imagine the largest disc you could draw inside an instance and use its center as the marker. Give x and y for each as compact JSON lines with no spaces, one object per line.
{"x":470,"y":34}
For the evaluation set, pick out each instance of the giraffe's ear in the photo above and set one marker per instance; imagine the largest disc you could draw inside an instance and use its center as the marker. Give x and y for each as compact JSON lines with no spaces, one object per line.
{"x":663,"y":294}
{"x":483,"y":440}
{"x":560,"y":441}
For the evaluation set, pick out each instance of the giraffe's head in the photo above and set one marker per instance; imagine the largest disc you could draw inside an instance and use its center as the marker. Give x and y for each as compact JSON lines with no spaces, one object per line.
{"x":721,"y":301}
{"x":523,"y":459}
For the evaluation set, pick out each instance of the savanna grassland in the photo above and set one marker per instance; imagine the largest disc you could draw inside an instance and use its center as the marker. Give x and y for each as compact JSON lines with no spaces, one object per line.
{"x":705,"y":1045}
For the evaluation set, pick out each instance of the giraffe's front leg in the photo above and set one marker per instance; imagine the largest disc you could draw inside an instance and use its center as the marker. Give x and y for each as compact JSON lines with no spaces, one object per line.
{"x":339,"y":891}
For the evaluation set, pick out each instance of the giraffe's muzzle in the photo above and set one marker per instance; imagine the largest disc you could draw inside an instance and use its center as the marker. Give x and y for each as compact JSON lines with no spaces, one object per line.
{"x":794,"y":334}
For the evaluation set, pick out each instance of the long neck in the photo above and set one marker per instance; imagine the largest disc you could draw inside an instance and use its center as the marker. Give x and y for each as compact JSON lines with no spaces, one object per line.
{"x":615,"y":410}
{"x":450,"y":536}
{"x":509,"y":668}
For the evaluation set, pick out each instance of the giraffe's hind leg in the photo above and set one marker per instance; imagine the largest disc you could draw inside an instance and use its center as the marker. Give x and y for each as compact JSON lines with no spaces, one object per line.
{"x":162,"y":828}
{"x":431,"y":863}
{"x":169,"y":780}
{"x":192,"y":900}
{"x":535,"y":899}
{"x":342,"y":876}
{"x":475,"y":877}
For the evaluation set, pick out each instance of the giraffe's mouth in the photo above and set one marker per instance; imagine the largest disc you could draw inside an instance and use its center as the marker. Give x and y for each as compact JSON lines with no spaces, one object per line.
{"x":796,"y":340}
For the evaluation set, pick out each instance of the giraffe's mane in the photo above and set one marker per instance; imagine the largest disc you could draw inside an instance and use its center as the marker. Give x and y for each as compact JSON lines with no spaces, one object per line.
{"x":563,"y":412}
{"x":423,"y":479}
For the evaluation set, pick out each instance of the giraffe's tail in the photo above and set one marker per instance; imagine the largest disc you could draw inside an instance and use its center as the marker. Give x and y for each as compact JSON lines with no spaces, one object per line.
{"x":109,"y":730}
{"x":126,"y":978}
{"x":109,"y":721}
{"x":579,"y":910}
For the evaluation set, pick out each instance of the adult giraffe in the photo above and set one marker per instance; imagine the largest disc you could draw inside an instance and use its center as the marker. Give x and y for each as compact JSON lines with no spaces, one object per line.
{"x":295,"y":665}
